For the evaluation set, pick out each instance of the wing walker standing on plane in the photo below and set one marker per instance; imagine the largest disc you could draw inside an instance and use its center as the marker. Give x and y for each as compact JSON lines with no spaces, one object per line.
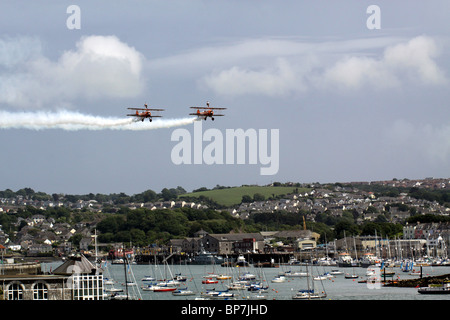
{"x":144,"y":114}
{"x":209,"y":112}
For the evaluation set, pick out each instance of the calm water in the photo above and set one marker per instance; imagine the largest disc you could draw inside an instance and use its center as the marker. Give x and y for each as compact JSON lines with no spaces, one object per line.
{"x":336,"y":288}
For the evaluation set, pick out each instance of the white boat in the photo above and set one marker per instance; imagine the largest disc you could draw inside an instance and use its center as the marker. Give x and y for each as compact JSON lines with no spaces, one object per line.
{"x":113,"y":290}
{"x":336,"y":272}
{"x":148,"y":278}
{"x":237,"y":285}
{"x":248,"y":276}
{"x":369,"y":259}
{"x":279,"y":279}
{"x":321,"y":277}
{"x":295,"y":274}
{"x":183,"y":292}
{"x":169,"y":283}
{"x":307,"y":295}
{"x":345,"y":260}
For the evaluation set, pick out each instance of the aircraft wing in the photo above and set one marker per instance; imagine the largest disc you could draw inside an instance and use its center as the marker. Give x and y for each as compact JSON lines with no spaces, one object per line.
{"x":144,"y":109}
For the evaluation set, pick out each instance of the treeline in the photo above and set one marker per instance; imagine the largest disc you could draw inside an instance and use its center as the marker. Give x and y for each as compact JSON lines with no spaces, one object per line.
{"x":143,"y":226}
{"x":440,"y":196}
{"x":328,"y":227}
{"x":166,"y":194}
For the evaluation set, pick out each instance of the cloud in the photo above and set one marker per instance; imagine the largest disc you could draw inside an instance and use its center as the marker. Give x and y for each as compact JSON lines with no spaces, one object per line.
{"x":100,"y":66}
{"x":280,"y":67}
{"x":410,"y":62}
{"x":280,"y":79}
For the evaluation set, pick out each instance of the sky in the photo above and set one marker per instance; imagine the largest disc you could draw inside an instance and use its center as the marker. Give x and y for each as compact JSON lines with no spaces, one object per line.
{"x":355,"y":93}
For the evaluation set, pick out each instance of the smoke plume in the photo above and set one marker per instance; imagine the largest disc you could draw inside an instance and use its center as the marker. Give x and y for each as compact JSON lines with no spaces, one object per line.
{"x":73,"y":121}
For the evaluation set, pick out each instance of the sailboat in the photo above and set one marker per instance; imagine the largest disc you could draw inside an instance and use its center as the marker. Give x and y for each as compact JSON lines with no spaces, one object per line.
{"x":354,"y":264}
{"x":310,"y":292}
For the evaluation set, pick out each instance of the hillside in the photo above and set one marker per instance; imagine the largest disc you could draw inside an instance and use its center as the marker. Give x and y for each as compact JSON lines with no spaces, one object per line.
{"x":233,"y":196}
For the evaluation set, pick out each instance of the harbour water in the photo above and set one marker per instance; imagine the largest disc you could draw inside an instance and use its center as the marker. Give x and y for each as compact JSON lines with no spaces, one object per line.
{"x":336,"y":288}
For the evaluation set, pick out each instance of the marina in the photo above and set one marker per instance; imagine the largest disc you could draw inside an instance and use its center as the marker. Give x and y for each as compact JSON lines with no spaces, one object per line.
{"x":255,"y":283}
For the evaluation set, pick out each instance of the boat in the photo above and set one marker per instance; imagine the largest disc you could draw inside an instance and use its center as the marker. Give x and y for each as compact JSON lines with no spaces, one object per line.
{"x":180,"y":277}
{"x":435,"y":289}
{"x":247,"y":276}
{"x":112,"y":290}
{"x":241,"y":262}
{"x":168,"y":283}
{"x":308,"y":294}
{"x":295,"y":274}
{"x":183,"y":292}
{"x":218,"y":295}
{"x":336,"y":272}
{"x":148,"y":278}
{"x":345,"y":260}
{"x":210,"y":281}
{"x":237,"y":285}
{"x":351,"y":276}
{"x":223,"y":277}
{"x":204,"y":257}
{"x":279,"y":279}
{"x":320,"y":277}
{"x":369,"y":260}
{"x":164,"y":289}
{"x":257,"y":287}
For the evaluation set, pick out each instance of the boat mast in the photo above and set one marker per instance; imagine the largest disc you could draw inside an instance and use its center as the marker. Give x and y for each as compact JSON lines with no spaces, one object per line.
{"x":125,"y":269}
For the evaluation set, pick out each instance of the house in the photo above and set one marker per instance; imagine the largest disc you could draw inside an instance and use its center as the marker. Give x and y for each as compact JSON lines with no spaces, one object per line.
{"x":176,"y":245}
{"x":191,"y":245}
{"x":85,"y":243}
{"x":230,"y":243}
{"x":35,"y":250}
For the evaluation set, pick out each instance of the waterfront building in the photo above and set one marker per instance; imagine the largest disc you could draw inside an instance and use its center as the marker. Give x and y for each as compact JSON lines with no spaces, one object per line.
{"x":75,"y":279}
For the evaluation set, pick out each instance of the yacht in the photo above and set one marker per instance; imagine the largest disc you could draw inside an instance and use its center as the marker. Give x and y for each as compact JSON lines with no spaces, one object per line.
{"x":205,"y":257}
{"x":345,"y":260}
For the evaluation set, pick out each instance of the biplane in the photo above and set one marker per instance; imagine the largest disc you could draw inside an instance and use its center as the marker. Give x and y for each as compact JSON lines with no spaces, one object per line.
{"x":209,"y":112}
{"x":146,"y":113}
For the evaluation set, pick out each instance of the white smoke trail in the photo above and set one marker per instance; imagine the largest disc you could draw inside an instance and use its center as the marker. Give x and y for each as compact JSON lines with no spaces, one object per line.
{"x":72,"y":121}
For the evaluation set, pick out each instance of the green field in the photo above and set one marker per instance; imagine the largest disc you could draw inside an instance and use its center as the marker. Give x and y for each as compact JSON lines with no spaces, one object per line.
{"x":232,"y":196}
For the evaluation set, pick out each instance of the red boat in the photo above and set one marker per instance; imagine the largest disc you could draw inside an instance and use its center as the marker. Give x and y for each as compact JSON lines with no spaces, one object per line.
{"x":210,"y":281}
{"x":164,"y":289}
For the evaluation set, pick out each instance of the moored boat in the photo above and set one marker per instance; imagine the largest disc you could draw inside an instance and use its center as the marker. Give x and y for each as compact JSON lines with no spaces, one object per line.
{"x":433,"y":289}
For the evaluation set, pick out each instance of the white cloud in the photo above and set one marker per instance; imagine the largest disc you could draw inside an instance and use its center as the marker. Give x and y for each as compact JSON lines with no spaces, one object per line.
{"x":410,"y":62}
{"x":100,"y":66}
{"x":280,"y":67}
{"x":280,"y":79}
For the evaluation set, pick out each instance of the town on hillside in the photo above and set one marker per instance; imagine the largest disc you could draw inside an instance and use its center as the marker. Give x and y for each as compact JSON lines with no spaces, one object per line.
{"x":46,"y":231}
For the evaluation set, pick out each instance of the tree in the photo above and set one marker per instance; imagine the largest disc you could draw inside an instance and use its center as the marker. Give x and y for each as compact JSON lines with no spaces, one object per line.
{"x":246,"y":199}
{"x":258,"y":197}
